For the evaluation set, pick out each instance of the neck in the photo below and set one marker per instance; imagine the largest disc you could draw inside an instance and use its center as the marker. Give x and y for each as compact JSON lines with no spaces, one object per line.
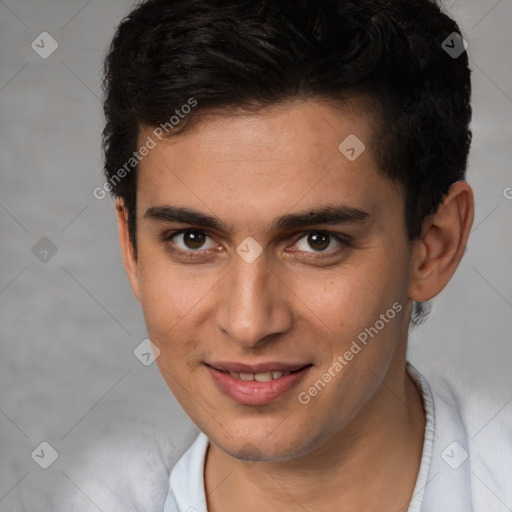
{"x":371,"y":465}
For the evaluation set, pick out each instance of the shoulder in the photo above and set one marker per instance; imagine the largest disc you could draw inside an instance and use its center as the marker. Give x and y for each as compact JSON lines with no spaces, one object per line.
{"x":125,"y":470}
{"x":472,"y":447}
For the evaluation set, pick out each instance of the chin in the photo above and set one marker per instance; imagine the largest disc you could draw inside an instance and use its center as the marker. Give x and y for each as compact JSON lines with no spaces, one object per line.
{"x":262,"y":448}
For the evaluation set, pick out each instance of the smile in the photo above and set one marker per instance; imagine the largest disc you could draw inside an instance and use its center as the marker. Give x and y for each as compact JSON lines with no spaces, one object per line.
{"x":260,"y":377}
{"x":257,"y":388}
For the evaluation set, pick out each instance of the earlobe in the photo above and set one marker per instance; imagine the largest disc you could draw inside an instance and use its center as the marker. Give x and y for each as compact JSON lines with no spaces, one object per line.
{"x":127,"y":250}
{"x":438,"y":252}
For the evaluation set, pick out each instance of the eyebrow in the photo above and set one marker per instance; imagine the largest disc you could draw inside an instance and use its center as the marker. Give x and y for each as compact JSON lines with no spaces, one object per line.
{"x":339,"y":214}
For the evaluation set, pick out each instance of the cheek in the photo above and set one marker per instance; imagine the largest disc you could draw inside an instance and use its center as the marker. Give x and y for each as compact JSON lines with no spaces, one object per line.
{"x":346,"y":300}
{"x":175,"y":303}
{"x":165,"y":297}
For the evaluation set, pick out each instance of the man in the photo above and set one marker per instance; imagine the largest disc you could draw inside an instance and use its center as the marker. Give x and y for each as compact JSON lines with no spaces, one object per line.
{"x":289,"y":184}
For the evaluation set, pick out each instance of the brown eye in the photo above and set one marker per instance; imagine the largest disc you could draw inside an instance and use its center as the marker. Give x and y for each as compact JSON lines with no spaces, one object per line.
{"x":318,"y":241}
{"x":191,"y":240}
{"x":319,"y":245}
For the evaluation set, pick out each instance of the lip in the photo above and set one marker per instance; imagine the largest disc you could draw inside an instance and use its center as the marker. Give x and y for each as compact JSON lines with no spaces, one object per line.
{"x":256,"y":368}
{"x":251,"y":392}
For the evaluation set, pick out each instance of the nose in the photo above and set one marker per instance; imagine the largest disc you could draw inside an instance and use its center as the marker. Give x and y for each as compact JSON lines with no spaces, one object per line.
{"x":254,"y":304}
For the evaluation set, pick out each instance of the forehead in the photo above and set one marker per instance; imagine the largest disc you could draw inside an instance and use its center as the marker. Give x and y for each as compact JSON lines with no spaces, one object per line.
{"x":250,"y":165}
{"x":315,"y":124}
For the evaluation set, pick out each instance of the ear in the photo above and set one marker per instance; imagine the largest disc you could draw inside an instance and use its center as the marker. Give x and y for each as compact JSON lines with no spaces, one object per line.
{"x":129,"y":256}
{"x":438,"y":252}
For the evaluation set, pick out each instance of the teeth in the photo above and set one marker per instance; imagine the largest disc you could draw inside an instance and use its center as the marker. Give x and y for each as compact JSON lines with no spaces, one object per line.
{"x":260,"y":377}
{"x":263,"y":377}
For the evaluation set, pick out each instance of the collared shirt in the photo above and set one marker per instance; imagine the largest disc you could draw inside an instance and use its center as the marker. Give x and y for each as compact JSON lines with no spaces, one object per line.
{"x":453,"y":476}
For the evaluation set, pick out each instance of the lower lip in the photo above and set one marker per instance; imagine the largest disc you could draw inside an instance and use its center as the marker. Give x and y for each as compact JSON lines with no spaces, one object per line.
{"x":252,"y":392}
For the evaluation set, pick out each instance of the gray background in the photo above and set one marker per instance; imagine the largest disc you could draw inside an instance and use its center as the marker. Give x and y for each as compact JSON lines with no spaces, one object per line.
{"x":70,"y":325}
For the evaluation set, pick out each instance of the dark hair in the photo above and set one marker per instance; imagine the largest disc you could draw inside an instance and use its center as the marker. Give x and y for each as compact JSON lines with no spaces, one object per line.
{"x":251,"y":54}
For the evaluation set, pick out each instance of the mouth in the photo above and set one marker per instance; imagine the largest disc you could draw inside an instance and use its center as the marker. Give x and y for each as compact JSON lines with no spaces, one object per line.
{"x":256,"y":384}
{"x":261,"y":372}
{"x":260,"y":376}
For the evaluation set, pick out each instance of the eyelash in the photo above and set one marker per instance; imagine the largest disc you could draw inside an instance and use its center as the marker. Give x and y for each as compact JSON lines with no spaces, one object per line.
{"x":344,"y":241}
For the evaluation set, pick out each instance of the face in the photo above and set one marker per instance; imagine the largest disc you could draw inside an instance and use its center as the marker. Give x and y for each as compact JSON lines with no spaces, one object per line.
{"x":263,"y":249}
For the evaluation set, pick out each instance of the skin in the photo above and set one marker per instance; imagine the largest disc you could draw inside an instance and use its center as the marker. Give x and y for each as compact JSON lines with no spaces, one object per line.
{"x":357,"y":444}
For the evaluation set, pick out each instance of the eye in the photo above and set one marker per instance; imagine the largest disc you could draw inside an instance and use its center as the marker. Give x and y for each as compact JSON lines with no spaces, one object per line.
{"x":190,"y":240}
{"x":193,"y":243}
{"x":321,"y":242}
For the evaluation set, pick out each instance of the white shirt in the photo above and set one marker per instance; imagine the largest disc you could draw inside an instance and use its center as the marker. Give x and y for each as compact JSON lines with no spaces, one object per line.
{"x":458,"y":473}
